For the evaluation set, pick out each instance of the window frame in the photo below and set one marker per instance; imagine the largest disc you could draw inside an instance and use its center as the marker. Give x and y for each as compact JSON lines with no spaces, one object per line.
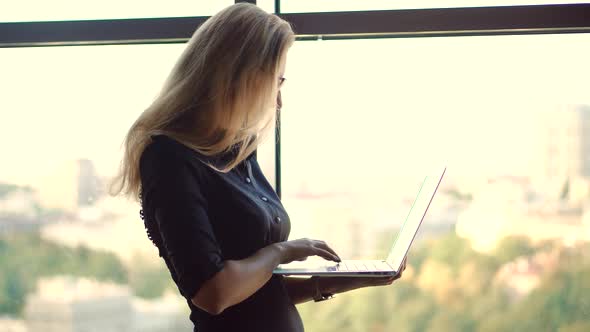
{"x":430,"y":22}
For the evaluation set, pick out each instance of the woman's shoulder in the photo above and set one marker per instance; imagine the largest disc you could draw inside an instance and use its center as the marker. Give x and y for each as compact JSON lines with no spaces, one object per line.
{"x":166,"y":169}
{"x":165,"y":152}
{"x":162,"y":145}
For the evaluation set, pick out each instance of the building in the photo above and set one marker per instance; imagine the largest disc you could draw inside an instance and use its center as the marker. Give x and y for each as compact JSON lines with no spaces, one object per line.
{"x":340,"y":219}
{"x":68,"y":304}
{"x":363,"y":225}
{"x":72,"y":185}
{"x":565,"y":152}
{"x":20,"y":202}
{"x":504,"y":208}
{"x":8,"y":324}
{"x":169,"y":313}
{"x":112,"y":224}
{"x":19,"y":211}
{"x":524,"y":274}
{"x":486,"y":220}
{"x":90,"y":188}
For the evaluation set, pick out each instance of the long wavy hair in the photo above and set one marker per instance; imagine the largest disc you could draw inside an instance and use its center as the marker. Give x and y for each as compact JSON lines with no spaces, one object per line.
{"x":218,"y":96}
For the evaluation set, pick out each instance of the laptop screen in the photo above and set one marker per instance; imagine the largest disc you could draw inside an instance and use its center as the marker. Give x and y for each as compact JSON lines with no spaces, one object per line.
{"x":413,"y":220}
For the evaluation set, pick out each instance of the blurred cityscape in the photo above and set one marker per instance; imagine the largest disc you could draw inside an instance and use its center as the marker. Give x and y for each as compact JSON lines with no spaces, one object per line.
{"x":70,"y":210}
{"x":553,"y":203}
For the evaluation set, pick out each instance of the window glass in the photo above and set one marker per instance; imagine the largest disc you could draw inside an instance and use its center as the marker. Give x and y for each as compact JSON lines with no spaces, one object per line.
{"x":64,"y":243}
{"x":62,"y":10}
{"x":267,"y":5}
{"x":506,"y":238}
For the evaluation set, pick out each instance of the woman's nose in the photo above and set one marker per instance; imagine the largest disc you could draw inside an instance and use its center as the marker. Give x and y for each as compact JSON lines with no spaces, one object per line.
{"x":279,"y":100}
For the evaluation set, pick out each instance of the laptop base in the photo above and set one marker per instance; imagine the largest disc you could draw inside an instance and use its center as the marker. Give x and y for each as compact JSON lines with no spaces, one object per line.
{"x":348,"y":268}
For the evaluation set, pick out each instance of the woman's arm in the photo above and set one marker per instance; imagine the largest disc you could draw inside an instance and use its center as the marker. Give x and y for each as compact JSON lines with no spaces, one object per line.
{"x":302,"y":290}
{"x":239,"y":279}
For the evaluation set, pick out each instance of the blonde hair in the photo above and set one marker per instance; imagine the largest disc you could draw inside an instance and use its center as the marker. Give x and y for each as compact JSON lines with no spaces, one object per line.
{"x":219,"y":95}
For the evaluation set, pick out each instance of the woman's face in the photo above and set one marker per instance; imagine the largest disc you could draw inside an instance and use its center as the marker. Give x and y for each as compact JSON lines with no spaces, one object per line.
{"x":280,"y":80}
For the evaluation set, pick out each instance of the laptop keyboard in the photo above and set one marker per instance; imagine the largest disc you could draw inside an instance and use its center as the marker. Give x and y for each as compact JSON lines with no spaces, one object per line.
{"x":359,"y":266}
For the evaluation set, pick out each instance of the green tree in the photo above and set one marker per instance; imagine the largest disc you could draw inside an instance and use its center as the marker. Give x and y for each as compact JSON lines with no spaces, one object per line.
{"x":495,"y":322}
{"x":446,"y":320}
{"x":453,"y":289}
{"x":7,"y":188}
{"x":582,"y":326}
{"x":148,"y":278}
{"x":511,"y":247}
{"x":453,"y":251}
{"x":561,"y":300}
{"x":27,"y":257}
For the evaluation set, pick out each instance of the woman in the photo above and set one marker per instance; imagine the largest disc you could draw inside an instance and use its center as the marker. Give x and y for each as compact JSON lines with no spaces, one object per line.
{"x":191,"y":159}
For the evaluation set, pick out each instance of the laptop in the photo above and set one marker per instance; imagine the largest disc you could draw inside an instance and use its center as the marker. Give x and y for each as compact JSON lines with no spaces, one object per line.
{"x":377,"y":268}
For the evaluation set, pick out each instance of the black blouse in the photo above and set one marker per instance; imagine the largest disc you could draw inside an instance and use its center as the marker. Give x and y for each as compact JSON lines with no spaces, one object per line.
{"x":198,"y":218}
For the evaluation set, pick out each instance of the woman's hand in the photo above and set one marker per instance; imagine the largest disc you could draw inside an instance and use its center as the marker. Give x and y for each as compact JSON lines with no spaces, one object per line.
{"x":336,"y":285}
{"x":299,"y":250}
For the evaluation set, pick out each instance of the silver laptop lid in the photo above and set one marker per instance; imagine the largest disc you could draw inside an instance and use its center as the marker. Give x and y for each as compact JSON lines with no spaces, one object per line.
{"x":410,"y":226}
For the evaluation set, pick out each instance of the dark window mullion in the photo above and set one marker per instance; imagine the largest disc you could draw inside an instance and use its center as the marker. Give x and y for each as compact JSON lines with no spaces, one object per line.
{"x":120,"y":31}
{"x":414,"y":22}
{"x":474,"y":20}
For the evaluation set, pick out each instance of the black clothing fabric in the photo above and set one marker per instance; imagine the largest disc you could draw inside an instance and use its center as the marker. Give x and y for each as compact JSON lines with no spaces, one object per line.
{"x":198,"y":218}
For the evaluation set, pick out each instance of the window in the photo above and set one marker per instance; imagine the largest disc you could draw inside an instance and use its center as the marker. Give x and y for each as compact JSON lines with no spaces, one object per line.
{"x":268,"y":5}
{"x":89,"y":96}
{"x":503,"y":247}
{"x":65,"y":112}
{"x":365,"y":120}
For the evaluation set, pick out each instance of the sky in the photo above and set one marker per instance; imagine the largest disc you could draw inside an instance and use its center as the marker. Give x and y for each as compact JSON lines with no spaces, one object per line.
{"x":391,"y":106}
